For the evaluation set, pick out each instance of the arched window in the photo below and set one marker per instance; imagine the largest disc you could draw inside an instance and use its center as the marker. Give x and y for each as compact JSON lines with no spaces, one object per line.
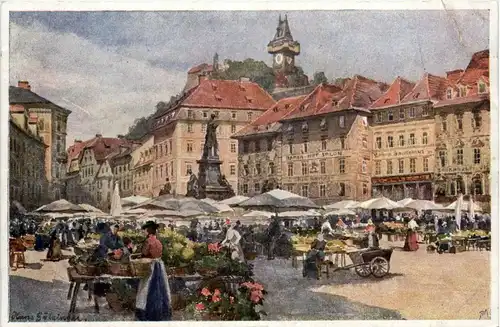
{"x":477,"y":186}
{"x":460,"y":185}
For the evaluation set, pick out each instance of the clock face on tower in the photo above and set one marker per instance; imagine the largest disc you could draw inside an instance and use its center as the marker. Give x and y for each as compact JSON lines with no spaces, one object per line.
{"x":279,"y":58}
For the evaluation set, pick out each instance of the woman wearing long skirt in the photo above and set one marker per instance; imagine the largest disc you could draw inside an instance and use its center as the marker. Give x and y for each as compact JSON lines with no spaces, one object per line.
{"x":411,"y":242}
{"x":153,"y":295}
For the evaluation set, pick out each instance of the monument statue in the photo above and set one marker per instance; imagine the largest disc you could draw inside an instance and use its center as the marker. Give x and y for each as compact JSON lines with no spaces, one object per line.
{"x":192,"y":185}
{"x":211,"y":148}
{"x":224,"y":183}
{"x":167,"y":188}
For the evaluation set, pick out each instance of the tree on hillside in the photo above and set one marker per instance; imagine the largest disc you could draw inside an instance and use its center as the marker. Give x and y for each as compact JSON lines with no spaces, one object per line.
{"x":319,"y":78}
{"x":256,"y":71}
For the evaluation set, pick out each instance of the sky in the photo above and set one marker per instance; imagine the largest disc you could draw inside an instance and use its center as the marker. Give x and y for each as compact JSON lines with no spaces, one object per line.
{"x":110,"y":68}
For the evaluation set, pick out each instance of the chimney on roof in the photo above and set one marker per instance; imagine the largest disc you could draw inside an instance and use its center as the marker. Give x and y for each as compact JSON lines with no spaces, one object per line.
{"x":244,"y":79}
{"x":24,"y":85}
{"x":98,"y":135}
{"x":76,"y":141}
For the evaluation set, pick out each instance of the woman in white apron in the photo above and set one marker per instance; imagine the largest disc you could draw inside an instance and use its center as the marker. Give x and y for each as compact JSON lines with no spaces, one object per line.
{"x":153,"y":294}
{"x":232,"y":240}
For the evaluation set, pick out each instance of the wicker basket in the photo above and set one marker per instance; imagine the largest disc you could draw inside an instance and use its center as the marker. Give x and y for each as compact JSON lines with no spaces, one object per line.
{"x":119,"y":268}
{"x":140,"y":267}
{"x":88,"y":270}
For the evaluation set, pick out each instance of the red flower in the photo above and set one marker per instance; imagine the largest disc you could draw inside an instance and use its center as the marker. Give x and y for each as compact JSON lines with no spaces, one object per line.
{"x":200,"y":306}
{"x":215,"y":298}
{"x":255,"y":296}
{"x":205,"y":292}
{"x":213,"y":247}
{"x":216,"y":292}
{"x":257,"y":286}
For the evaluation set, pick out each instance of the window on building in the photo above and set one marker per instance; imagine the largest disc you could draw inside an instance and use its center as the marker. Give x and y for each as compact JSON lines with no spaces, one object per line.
{"x":463,"y":91}
{"x":188,"y":169}
{"x":378,"y":142}
{"x":305,"y":169}
{"x":401,"y":114}
{"x":233,"y":129}
{"x":477,"y":186}
{"x":290,"y":169}
{"x":481,"y":87}
{"x":342,"y":143}
{"x":256,"y":187}
{"x":305,"y":190}
{"x":412,"y":139}
{"x":378,"y":117}
{"x":411,"y":112}
{"x":189,"y":147}
{"x":365,"y":189}
{"x":390,"y":141}
{"x":459,"y":122}
{"x":342,"y":165}
{"x":250,"y":115}
{"x":390,"y":115}
{"x":389,"y":167}
{"x":271,"y":168}
{"x":425,"y":138}
{"x":290,"y":147}
{"x":233,"y":147}
{"x":205,"y":114}
{"x":203,"y":127}
{"x":289,"y":188}
{"x":257,"y":146}
{"x":378,"y":169}
{"x":477,"y":120}
{"x":401,"y":164}
{"x":190,"y":127}
{"x":442,"y":158}
{"x":246,"y":170}
{"x":305,"y":145}
{"x":342,"y":189}
{"x":269,"y":144}
{"x":460,"y":157}
{"x":363,"y":166}
{"x":401,"y":140}
{"x":232,"y":170}
{"x":426,"y":165}
{"x":258,"y":169}
{"x":323,"y":143}
{"x":233,"y":114}
{"x":413,"y":165}
{"x":322,"y":167}
{"x":477,"y":156}
{"x":449,"y":94}
{"x":322,"y":191}
{"x":245,"y":188}
{"x":341,"y":121}
{"x":425,"y":111}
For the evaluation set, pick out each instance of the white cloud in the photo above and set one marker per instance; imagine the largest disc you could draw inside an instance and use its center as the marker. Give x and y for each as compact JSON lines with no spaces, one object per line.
{"x":115,"y":89}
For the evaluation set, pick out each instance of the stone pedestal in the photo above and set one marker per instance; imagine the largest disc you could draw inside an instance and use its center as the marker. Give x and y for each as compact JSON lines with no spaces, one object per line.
{"x":210,"y":180}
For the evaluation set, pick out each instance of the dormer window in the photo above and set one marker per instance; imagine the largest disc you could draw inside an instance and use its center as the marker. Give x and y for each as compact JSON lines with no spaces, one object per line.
{"x":275,"y":109}
{"x":378,"y":117}
{"x":463,"y":91}
{"x":449,"y":93}
{"x":249,"y":99}
{"x":481,"y":87}
{"x":390,"y":115}
{"x":305,"y":127}
{"x":335,"y":103}
{"x":342,"y":121}
{"x":322,"y":124}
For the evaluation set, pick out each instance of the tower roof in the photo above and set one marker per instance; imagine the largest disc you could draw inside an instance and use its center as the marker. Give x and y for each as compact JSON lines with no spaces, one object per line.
{"x":283,"y":30}
{"x":283,"y":39}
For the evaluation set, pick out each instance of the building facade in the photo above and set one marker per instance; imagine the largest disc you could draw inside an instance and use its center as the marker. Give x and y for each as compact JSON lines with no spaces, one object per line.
{"x":179,"y":132}
{"x":93,"y":168}
{"x":52,"y":125}
{"x":402,"y":124}
{"x":462,"y":127}
{"x":28,"y":182}
{"x":143,"y":158}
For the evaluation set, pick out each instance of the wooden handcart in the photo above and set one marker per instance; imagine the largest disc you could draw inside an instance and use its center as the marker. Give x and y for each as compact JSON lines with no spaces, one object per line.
{"x":368,"y":262}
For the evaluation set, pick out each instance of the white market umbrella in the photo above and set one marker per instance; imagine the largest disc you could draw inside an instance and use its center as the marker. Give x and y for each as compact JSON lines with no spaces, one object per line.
{"x":235,"y":200}
{"x":292,"y":214}
{"x":379,"y":203}
{"x":346,"y":204}
{"x":279,"y":199}
{"x":220,"y":206}
{"x":341,"y":212}
{"x":116,"y":205}
{"x":134,"y":200}
{"x":423,"y":205}
{"x":471,"y":208}
{"x":458,"y":211}
{"x":61,"y":206}
{"x":464,"y":207}
{"x":257,"y":213}
{"x":405,"y":201}
{"x":90,"y":208}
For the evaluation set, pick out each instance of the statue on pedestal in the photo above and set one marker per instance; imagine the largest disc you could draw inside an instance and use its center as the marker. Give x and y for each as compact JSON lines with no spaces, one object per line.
{"x":167,"y":188}
{"x":192,"y":185}
{"x":224,"y":183}
{"x":211,"y":148}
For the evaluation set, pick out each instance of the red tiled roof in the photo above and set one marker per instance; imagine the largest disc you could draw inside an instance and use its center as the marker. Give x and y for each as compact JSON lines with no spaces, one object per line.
{"x":462,"y":100}
{"x":230,"y":95}
{"x":454,"y":75}
{"x":313,"y":102}
{"x":479,"y":65}
{"x":430,"y":87}
{"x":396,"y":92}
{"x":358,"y":93}
{"x":272,"y":115}
{"x":102,"y":147}
{"x":201,"y":67}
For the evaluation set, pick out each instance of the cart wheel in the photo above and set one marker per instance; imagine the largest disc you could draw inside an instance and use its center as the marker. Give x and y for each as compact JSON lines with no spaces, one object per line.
{"x":379,"y":267}
{"x":363,"y":271}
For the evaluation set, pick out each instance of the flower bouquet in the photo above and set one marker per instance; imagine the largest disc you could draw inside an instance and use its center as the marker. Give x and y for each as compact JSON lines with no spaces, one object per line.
{"x":217,"y":305}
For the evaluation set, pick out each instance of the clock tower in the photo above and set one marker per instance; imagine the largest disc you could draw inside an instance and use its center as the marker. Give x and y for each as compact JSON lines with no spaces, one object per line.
{"x":283,"y":48}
